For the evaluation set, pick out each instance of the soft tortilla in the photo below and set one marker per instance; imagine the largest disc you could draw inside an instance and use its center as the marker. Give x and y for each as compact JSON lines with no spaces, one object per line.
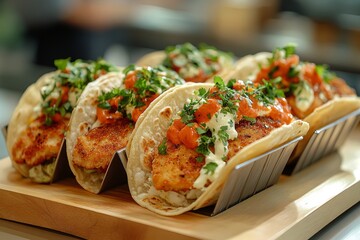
{"x":151,"y":59}
{"x":82,"y":118}
{"x":23,"y":114}
{"x":155,"y":58}
{"x":152,"y":130}
{"x":248,"y":66}
{"x":322,"y":116}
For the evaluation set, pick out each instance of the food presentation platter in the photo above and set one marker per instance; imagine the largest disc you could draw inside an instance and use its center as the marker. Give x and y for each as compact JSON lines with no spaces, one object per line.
{"x":296,"y":207}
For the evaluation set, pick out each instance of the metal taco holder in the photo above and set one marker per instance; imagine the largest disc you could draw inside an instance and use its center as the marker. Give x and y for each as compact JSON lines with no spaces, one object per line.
{"x":325,"y":141}
{"x":114,"y":175}
{"x":251,"y":177}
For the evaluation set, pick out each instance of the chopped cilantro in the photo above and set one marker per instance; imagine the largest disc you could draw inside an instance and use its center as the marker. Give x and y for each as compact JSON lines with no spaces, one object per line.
{"x":200,"y":130}
{"x":210,"y":168}
{"x":293,"y":72}
{"x":219,"y":82}
{"x":324,"y":73}
{"x":267,"y":92}
{"x":73,"y":76}
{"x":162,"y":149}
{"x":289,"y":49}
{"x":129,"y":69}
{"x":61,"y":64}
{"x":149,"y":81}
{"x":202,"y":92}
{"x":200,"y":159}
{"x":204,"y":144}
{"x":250,"y":119}
{"x":223,"y":135}
{"x":231,"y":83}
{"x":272,"y":71}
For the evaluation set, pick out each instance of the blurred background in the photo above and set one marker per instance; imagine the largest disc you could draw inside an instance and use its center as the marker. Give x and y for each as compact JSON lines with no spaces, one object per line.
{"x":35,"y":32}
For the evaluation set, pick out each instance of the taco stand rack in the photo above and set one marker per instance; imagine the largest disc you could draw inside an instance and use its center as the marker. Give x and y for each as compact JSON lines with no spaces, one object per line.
{"x":247,"y":178}
{"x":325,"y":141}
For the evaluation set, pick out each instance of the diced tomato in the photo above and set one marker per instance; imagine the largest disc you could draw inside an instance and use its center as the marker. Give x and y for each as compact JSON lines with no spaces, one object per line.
{"x":148,"y":100}
{"x":245,"y":110}
{"x":135,"y":114}
{"x":100,"y":73}
{"x":200,"y":77}
{"x":114,"y":102}
{"x":64,"y":94}
{"x":310,"y":74}
{"x":281,"y":111}
{"x":138,"y":111}
{"x":189,"y":136}
{"x":173,"y":132}
{"x":130,"y":80}
{"x":175,"y":68}
{"x":279,"y":68}
{"x":205,"y":112}
{"x":172,"y":135}
{"x":238,"y":86}
{"x":178,"y":124}
{"x":57,"y":117}
{"x":107,"y":116}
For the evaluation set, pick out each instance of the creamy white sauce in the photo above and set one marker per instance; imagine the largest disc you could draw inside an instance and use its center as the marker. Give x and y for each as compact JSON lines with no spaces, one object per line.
{"x":163,"y":83}
{"x":220,"y":148}
{"x":280,"y":54}
{"x":189,"y":71}
{"x":180,"y":60}
{"x":129,"y":109}
{"x":304,"y":96}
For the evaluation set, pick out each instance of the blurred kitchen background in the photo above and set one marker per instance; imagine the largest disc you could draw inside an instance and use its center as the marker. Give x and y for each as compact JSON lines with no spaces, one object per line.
{"x":35,"y":32}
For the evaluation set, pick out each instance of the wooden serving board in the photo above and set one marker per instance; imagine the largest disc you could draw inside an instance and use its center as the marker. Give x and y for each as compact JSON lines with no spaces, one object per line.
{"x":295,"y":208}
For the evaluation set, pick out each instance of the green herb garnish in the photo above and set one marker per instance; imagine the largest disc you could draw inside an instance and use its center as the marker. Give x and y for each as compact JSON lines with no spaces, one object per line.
{"x":162,"y":149}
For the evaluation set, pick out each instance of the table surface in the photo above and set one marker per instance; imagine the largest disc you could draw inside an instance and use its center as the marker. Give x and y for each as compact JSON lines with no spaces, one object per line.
{"x":297,"y":206}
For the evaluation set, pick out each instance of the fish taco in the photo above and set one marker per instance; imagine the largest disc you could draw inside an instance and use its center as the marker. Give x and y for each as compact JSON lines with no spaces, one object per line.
{"x":314,"y":93}
{"x":187,"y":144}
{"x":40,"y":119}
{"x":105,"y":117}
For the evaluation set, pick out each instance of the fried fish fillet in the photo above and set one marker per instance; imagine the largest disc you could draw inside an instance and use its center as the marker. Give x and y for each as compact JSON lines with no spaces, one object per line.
{"x":95,"y":149}
{"x":169,"y":170}
{"x":39,"y":143}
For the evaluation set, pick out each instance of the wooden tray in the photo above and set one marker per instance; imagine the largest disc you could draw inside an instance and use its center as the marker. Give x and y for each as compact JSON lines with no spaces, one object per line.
{"x":295,"y":208}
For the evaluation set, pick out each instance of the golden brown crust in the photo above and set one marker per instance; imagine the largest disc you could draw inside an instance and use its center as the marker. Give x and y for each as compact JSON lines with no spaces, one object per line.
{"x":95,"y":149}
{"x":177,"y":170}
{"x":39,"y":143}
{"x":249,"y":133}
